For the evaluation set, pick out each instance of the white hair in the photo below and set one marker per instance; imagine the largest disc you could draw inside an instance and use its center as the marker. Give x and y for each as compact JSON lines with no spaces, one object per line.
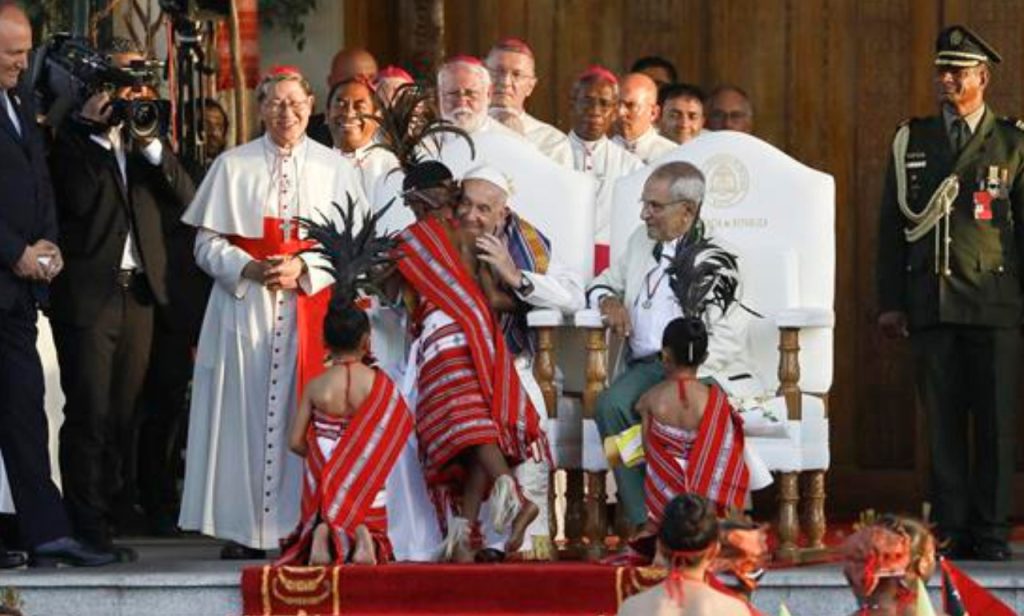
{"x":478,"y":69}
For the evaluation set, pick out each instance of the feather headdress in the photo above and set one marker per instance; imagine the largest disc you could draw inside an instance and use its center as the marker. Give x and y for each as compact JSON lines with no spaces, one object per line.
{"x":703,"y":274}
{"x":353,"y":258}
{"x":410,"y":129}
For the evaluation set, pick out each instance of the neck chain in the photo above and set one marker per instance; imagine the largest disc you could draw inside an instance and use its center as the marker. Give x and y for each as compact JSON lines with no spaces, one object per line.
{"x":285,"y":180}
{"x":648,"y":291}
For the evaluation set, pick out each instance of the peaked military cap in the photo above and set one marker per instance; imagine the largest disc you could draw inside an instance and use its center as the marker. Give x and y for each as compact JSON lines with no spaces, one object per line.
{"x":958,"y":46}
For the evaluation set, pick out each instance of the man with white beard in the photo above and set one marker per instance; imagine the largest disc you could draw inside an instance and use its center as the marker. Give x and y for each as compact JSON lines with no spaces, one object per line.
{"x":464,"y":93}
{"x":512,"y":68}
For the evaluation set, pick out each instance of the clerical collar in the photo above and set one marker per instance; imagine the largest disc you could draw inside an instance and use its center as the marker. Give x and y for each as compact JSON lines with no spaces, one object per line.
{"x":588,"y":145}
{"x":280,"y":151}
{"x":949,"y":115}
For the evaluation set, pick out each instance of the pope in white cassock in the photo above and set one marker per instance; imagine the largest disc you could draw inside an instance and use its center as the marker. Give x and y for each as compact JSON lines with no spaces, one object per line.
{"x":260,"y":337}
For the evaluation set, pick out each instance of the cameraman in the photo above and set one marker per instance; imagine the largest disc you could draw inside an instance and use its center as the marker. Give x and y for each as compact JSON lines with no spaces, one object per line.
{"x":115,"y":188}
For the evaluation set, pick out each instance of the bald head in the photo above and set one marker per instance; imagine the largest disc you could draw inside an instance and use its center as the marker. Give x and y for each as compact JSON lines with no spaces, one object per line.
{"x":349,"y":63}
{"x":15,"y":43}
{"x":638,"y":105}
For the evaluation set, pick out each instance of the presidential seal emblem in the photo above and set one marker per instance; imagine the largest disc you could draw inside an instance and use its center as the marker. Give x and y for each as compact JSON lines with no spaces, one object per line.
{"x":727,"y":181}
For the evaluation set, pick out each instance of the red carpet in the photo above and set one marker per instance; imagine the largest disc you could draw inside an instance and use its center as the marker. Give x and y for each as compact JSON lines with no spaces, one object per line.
{"x":554,"y":589}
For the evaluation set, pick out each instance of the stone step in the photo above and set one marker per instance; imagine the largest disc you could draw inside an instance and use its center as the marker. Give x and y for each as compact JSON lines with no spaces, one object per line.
{"x":184,"y":577}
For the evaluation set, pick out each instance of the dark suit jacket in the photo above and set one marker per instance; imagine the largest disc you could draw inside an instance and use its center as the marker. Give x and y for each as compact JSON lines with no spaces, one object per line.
{"x":96,"y":210}
{"x":26,"y":197}
{"x":983,"y":286}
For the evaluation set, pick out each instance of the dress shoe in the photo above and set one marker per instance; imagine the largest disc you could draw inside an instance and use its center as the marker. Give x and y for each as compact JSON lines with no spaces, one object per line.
{"x":489,"y":555}
{"x":237,"y":551}
{"x":66,"y":550}
{"x":993,"y":551}
{"x":10,"y":560}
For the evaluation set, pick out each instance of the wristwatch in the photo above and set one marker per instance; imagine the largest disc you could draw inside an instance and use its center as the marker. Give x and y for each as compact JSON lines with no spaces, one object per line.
{"x":525,"y":286}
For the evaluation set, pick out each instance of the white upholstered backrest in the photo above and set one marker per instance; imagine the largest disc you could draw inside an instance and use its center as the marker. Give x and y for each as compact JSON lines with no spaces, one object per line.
{"x":556,"y":200}
{"x":778,"y":216}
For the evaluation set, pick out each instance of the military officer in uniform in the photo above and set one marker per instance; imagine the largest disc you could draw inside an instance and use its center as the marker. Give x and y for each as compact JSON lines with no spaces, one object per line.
{"x":949,"y":277}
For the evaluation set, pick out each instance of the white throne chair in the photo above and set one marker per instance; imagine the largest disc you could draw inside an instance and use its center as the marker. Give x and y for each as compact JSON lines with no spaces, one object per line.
{"x":559,"y":202}
{"x":778,"y":216}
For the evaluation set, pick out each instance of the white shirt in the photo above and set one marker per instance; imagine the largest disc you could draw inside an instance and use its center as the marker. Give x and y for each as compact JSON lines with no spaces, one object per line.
{"x":548,"y":139}
{"x":381,"y":179}
{"x":607,"y":162}
{"x":11,"y":112}
{"x":647,"y":146}
{"x":112,"y":140}
{"x":654,"y":307}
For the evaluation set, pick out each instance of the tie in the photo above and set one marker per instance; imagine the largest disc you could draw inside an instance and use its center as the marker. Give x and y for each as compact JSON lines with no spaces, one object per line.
{"x":656,"y":252}
{"x":959,"y":134}
{"x":9,"y":114}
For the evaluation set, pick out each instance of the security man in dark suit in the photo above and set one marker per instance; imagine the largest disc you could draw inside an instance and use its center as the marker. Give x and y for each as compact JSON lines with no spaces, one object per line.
{"x":29,"y":260}
{"x":115,"y":190}
{"x":951,"y":234}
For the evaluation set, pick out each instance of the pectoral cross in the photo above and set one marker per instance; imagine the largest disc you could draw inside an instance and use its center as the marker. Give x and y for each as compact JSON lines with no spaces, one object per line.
{"x":286,"y":228}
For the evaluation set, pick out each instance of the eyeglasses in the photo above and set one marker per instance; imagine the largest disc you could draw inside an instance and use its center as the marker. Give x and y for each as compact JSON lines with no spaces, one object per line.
{"x":277,"y":106}
{"x":659,"y":206}
{"x":732,"y":116}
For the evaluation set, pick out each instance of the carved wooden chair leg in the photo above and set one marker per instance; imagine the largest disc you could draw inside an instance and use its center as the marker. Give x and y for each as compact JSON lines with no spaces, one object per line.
{"x":789,"y":521}
{"x":544,"y":372}
{"x":814,"y":516}
{"x":596,"y":528}
{"x":574,"y":511}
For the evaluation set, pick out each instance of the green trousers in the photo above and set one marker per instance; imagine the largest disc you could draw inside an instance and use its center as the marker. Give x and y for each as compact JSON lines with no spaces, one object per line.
{"x":614,"y":414}
{"x":969,"y":372}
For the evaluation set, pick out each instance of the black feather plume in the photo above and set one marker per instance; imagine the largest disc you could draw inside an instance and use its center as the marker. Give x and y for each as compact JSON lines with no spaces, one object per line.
{"x":411,"y":130}
{"x":703,"y":274}
{"x":353,"y":258}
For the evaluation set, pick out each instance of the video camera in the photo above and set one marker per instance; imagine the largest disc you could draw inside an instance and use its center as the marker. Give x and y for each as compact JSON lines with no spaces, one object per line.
{"x":66,"y":72}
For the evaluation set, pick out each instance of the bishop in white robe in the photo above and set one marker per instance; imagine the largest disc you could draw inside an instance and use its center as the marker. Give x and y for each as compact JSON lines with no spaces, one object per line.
{"x":241,"y":481}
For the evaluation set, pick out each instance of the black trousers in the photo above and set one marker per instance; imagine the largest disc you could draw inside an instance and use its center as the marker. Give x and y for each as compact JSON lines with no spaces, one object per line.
{"x":23,"y":429}
{"x":164,"y":419}
{"x":966,"y":372}
{"x":102,"y":370}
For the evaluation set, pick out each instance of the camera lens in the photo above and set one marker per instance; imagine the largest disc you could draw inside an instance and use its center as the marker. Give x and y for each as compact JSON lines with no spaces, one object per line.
{"x":145,"y":119}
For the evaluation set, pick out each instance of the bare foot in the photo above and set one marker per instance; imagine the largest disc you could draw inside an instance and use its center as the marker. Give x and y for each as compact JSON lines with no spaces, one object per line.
{"x":364,"y":553}
{"x":527,"y":513}
{"x":320,"y":550}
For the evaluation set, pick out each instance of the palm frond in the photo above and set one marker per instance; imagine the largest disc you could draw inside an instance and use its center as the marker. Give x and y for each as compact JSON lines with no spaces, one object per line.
{"x":353,"y":257}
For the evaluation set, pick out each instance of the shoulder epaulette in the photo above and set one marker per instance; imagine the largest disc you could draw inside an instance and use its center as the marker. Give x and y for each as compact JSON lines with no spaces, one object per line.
{"x":1014,"y":122}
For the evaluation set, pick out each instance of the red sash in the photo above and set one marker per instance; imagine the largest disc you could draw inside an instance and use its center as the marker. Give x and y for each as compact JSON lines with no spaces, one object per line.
{"x":311,"y":309}
{"x":341,"y":490}
{"x":715,"y":468}
{"x":432,"y":267}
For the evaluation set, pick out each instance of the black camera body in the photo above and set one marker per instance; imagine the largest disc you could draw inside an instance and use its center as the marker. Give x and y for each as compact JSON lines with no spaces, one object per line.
{"x":66,"y":72}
